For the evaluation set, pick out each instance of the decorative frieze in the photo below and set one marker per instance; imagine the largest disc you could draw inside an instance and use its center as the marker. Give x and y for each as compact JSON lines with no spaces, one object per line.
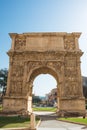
{"x":33,"y":56}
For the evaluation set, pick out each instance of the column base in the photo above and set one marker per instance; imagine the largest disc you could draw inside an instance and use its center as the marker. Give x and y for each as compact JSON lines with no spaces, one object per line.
{"x":71,"y":107}
{"x":62,"y":113}
{"x":13,"y":104}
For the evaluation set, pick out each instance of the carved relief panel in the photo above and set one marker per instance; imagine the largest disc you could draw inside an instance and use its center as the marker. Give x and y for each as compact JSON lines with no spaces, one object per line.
{"x":20,"y":42}
{"x":54,"y":65}
{"x":69,"y":43}
{"x":39,"y":56}
{"x":71,"y":76}
{"x":16,"y":79}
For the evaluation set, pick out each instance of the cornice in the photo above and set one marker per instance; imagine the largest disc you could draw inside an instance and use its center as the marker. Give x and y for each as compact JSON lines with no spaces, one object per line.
{"x":46,"y":34}
{"x":62,"y":53}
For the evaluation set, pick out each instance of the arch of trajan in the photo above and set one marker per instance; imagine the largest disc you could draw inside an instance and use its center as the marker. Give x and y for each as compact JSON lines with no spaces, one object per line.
{"x":32,"y":54}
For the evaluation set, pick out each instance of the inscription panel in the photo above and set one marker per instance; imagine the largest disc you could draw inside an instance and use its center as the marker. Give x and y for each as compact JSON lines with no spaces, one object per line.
{"x":44,"y":43}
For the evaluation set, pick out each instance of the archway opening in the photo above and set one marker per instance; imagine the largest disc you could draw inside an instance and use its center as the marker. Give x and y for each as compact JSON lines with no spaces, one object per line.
{"x":45,"y":91}
{"x":44,"y":82}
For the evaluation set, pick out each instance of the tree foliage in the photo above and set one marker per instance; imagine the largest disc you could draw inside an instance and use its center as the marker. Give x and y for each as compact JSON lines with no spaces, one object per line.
{"x":3,"y":80}
{"x":36,"y":99}
{"x":84,"y":79}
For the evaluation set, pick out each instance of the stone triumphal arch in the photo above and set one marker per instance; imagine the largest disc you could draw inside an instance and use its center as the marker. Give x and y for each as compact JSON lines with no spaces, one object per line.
{"x":57,"y":54}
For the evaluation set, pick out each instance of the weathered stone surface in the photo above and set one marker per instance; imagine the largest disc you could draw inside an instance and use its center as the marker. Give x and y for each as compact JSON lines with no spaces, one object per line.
{"x":34,"y":53}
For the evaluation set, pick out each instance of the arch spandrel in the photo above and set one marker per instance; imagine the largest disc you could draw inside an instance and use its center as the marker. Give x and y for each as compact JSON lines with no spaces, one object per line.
{"x":54,"y":68}
{"x":42,"y":70}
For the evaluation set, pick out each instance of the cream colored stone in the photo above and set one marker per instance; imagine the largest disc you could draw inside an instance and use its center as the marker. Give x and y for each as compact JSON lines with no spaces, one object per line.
{"x":30,"y":104}
{"x":32,"y":54}
{"x":32,"y":121}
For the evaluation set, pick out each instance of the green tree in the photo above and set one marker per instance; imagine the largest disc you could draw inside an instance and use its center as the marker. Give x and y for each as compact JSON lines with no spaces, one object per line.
{"x":84,"y":79}
{"x":36,"y":99}
{"x":3,"y":80}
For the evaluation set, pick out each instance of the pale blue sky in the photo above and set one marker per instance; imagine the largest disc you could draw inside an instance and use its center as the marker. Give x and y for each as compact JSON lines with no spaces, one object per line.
{"x":21,"y":16}
{"x":43,"y":84}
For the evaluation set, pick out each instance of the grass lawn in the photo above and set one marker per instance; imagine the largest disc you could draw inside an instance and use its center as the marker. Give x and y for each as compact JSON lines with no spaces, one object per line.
{"x":50,"y":109}
{"x":10,"y":122}
{"x":75,"y":120}
{"x":0,"y":107}
{"x":15,"y":121}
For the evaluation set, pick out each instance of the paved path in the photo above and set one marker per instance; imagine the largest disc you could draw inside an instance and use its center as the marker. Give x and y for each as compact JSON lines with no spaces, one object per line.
{"x":49,"y":122}
{"x":58,"y":125}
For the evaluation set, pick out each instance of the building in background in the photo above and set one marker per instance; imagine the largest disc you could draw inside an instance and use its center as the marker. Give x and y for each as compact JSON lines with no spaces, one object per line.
{"x":52,"y":97}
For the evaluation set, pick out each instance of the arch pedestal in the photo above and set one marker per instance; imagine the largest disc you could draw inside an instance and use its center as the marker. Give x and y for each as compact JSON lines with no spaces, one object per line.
{"x":57,"y":54}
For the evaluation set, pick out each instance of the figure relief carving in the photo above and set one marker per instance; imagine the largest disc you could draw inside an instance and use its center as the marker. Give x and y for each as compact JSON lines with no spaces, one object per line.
{"x":71,"y":89}
{"x":17,"y":71}
{"x":16,"y":87}
{"x":33,"y":64}
{"x":74,"y":88}
{"x":69,"y":43}
{"x":52,"y":64}
{"x":70,"y":63}
{"x":70,"y":75}
{"x":70,"y":71}
{"x":17,"y":79}
{"x":19,"y":87}
{"x":67,"y":89}
{"x":13,"y":87}
{"x":57,"y":65}
{"x":20,"y":42}
{"x":70,"y":68}
{"x":38,"y":56}
{"x":28,"y":88}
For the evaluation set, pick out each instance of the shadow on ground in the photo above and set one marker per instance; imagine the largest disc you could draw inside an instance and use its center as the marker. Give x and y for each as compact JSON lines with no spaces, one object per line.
{"x":48,"y":117}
